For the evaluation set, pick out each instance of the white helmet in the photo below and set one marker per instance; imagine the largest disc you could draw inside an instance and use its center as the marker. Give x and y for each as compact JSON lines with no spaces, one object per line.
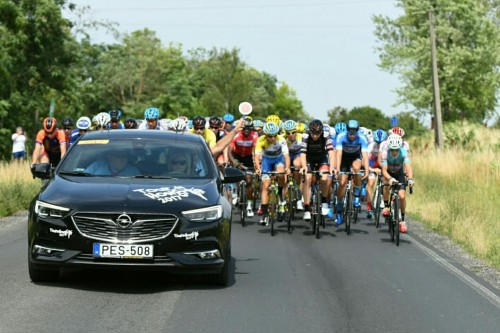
{"x":102,"y":119}
{"x":178,"y":125}
{"x":83,"y":123}
{"x":394,"y":141}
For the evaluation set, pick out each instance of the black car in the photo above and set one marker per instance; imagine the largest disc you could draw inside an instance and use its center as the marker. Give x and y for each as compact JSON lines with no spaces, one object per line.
{"x":130,"y":199}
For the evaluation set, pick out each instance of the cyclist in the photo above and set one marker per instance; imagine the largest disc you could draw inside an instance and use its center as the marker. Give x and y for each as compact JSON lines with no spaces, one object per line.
{"x":199,"y":128}
{"x":241,"y":153}
{"x":152,"y":115}
{"x":131,"y":124}
{"x":82,"y":126}
{"x":68,"y":125}
{"x":316,"y":154}
{"x":379,"y":136}
{"x":395,"y":167}
{"x":101,"y":121}
{"x":229,"y":120}
{"x":215,"y":124}
{"x":352,"y":154}
{"x":294,"y":142}
{"x":271,"y":153}
{"x":257,"y":126}
{"x":114,"y":122}
{"x":50,"y":145}
{"x":274,"y":119}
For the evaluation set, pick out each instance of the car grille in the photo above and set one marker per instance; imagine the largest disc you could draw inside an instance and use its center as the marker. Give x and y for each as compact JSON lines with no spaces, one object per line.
{"x":137,"y":227}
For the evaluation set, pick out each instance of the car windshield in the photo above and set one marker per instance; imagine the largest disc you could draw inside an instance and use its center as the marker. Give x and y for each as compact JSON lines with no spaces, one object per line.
{"x":139,"y":158}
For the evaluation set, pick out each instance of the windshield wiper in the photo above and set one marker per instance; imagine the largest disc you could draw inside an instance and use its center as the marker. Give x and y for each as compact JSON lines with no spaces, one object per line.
{"x":76,"y":173}
{"x":154,"y":177}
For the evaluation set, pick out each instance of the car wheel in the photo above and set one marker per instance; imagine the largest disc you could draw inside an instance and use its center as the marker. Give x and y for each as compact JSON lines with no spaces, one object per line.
{"x":42,"y":275}
{"x":222,"y":279}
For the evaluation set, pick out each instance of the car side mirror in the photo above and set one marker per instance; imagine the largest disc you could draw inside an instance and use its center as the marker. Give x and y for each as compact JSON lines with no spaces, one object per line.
{"x":233,"y":175}
{"x":41,"y":170}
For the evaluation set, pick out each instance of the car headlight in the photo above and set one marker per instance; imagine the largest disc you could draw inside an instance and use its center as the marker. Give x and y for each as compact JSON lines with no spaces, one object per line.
{"x":204,"y":214}
{"x":44,"y":209}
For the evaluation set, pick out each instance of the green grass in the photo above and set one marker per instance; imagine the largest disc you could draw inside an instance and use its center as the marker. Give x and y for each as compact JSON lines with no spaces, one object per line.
{"x":18,"y":187}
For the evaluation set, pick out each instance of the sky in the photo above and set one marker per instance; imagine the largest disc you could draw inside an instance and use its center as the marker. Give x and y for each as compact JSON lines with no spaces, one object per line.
{"x":323,"y":49}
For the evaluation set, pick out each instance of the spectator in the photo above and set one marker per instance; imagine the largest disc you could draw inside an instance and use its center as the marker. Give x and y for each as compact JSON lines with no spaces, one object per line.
{"x":18,"y":145}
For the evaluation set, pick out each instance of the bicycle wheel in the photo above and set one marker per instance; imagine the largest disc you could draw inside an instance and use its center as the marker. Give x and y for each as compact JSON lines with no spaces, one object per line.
{"x":290,"y":206}
{"x":272,"y":217}
{"x":243,"y":201}
{"x":396,"y":219}
{"x":348,"y":213}
{"x":376,"y":209}
{"x":317,"y":205}
{"x":390,"y":221}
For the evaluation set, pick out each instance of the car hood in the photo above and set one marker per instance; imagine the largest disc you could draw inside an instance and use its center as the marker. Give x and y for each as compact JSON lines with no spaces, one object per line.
{"x":129,"y":194}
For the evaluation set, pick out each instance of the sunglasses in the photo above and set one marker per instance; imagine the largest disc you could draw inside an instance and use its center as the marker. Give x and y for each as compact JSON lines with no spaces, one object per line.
{"x":214,"y":127}
{"x":270,"y":136}
{"x":199,"y":128}
{"x":291,"y":133}
{"x":183,"y":162}
{"x":68,"y":128}
{"x":83,"y":130}
{"x":316,"y":133}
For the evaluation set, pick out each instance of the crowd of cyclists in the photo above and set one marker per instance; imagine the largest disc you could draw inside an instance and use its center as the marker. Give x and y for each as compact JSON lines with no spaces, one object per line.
{"x":290,"y":148}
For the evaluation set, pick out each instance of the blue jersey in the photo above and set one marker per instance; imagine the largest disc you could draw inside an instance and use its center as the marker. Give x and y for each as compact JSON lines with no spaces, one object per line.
{"x":351,"y":147}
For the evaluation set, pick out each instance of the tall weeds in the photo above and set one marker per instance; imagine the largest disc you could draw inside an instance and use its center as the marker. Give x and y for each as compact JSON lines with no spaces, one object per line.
{"x":18,"y":187}
{"x":457,"y":191}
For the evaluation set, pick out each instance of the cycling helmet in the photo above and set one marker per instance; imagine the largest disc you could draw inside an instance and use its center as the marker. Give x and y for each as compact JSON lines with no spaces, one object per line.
{"x":115,"y":114}
{"x":50,"y":124}
{"x":83,"y":123}
{"x":273,"y":119}
{"x":131,"y":123}
{"x":151,"y":113}
{"x":228,"y":118}
{"x":379,"y":135}
{"x":248,"y":122}
{"x":353,"y":125}
{"x":68,"y":122}
{"x":271,"y":129}
{"x":257,"y":123}
{"x":102,"y":119}
{"x":199,"y":121}
{"x":178,"y":125}
{"x":215,"y":122}
{"x":290,"y":125}
{"x":394,"y":141}
{"x":399,"y":131}
{"x":316,"y":126}
{"x":340,"y":127}
{"x":301,"y":127}
{"x":326,"y":128}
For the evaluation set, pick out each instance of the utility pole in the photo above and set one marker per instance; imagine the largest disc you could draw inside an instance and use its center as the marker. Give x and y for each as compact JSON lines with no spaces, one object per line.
{"x":438,"y":125}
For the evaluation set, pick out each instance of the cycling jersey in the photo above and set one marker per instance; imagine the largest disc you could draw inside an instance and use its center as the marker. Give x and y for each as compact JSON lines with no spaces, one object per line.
{"x":351,"y":147}
{"x":159,"y":126}
{"x":243,"y":146}
{"x":316,"y":150}
{"x":295,"y":146}
{"x":271,"y":149}
{"x":208,"y":135}
{"x":395,"y":163}
{"x":373,"y":151}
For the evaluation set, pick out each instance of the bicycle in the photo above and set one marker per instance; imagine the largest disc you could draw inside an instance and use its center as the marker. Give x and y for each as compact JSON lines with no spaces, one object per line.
{"x":242,"y":196}
{"x":291,"y":200}
{"x":273,"y":198}
{"x":348,"y":209}
{"x":317,"y":218}
{"x":393,"y":218}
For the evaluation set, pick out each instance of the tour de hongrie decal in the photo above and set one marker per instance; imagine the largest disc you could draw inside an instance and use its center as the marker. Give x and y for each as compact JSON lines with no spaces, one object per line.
{"x":171,"y":193}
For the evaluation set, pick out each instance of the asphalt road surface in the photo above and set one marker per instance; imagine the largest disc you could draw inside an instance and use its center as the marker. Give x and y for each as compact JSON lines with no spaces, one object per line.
{"x":286,"y":283}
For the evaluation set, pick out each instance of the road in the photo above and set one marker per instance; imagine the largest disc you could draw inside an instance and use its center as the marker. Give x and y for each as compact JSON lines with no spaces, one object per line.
{"x":286,"y":283}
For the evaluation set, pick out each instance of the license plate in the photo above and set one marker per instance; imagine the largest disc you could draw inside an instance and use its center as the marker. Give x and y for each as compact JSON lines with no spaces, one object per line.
{"x":123,"y":251}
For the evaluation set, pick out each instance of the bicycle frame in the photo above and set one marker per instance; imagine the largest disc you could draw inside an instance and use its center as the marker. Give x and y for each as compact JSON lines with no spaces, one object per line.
{"x":273,"y":198}
{"x":348,"y":200}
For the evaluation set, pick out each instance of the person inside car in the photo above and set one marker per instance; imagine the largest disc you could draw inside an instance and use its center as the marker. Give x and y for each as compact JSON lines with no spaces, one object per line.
{"x":116,"y":163}
{"x":178,"y":164}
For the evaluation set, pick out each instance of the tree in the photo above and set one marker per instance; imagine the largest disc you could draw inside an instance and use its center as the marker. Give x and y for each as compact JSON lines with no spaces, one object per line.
{"x":286,"y":105}
{"x":468,"y":44}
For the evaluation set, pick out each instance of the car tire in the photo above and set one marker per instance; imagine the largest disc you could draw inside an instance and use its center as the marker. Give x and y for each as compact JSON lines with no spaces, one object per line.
{"x":42,"y":275}
{"x":222,"y":279}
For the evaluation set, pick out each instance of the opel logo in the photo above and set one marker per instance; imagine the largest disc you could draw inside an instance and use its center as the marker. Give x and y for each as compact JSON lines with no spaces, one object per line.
{"x":124,"y":221}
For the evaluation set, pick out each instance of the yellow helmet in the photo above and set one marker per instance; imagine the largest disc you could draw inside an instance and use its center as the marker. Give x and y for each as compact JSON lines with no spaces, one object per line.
{"x":301,"y":127}
{"x":273,"y":119}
